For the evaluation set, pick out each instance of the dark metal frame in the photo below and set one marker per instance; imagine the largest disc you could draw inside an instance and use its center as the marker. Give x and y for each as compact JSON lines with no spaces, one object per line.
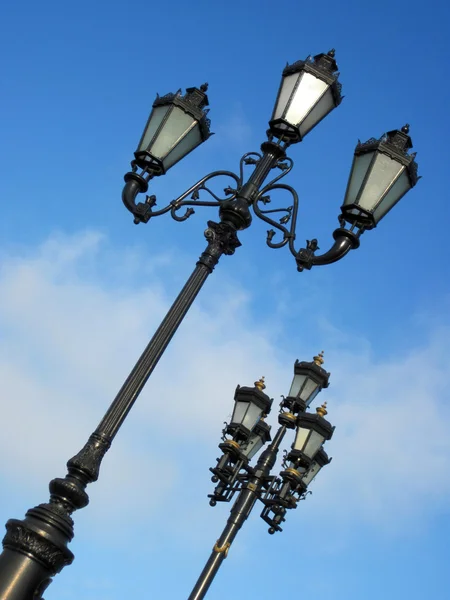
{"x":234,"y":208}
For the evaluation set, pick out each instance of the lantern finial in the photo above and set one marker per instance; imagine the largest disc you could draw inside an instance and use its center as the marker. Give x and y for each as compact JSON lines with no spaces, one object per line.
{"x":322,"y":410}
{"x":260,"y":385}
{"x":319,"y":359}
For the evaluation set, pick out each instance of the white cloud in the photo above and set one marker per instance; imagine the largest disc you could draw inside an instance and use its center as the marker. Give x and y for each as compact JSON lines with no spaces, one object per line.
{"x":70,"y":333}
{"x":391,"y":447}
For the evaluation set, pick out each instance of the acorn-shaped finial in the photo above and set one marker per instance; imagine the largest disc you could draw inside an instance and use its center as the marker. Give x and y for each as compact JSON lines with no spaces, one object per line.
{"x":319,"y":359}
{"x":260,"y":385}
{"x":322,"y":410}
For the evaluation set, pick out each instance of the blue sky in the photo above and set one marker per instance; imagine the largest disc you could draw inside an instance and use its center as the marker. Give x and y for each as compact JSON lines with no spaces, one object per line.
{"x":82,"y":289}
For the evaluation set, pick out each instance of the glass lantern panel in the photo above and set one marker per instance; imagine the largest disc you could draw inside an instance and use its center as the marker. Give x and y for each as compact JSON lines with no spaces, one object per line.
{"x":154,"y":121}
{"x":239,"y":412}
{"x":175,"y":128}
{"x":297,"y":384}
{"x":320,"y":111}
{"x":312,"y":396}
{"x":300,"y":438}
{"x":397,"y":191}
{"x":190,"y":141}
{"x":359,"y":169}
{"x":287,"y":86}
{"x":307,"y":94}
{"x":252,"y":416}
{"x":309,"y":387}
{"x":313,"y":444}
{"x":384,"y":171}
{"x":253,"y":445}
{"x":313,"y":470}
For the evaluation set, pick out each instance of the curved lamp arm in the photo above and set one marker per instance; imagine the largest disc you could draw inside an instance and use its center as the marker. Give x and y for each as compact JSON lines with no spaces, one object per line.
{"x":135,"y":184}
{"x":345,"y":241}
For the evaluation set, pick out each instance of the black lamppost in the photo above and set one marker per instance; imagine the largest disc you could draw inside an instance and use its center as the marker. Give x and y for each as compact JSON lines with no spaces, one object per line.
{"x":245,"y":435}
{"x":35,"y":549}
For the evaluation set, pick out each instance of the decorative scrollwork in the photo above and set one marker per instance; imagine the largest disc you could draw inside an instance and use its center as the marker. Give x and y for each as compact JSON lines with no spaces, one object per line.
{"x":285,"y":165}
{"x":242,"y":195}
{"x":290,"y":214}
{"x":224,"y":432}
{"x":143,"y":212}
{"x":191,"y":197}
{"x":250,"y":158}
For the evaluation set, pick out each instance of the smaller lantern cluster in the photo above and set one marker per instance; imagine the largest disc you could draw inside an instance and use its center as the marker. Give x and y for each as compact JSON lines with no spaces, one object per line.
{"x":248,"y":432}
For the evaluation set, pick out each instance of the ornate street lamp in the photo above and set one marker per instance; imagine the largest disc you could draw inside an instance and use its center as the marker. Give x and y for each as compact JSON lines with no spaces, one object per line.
{"x":382,"y":173}
{"x":309,"y":379}
{"x":176,"y":126}
{"x":308,"y":92}
{"x":36,"y":548}
{"x":277,"y":493}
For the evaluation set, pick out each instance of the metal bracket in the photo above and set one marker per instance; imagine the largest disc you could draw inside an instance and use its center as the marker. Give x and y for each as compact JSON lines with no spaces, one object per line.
{"x":222,"y":549}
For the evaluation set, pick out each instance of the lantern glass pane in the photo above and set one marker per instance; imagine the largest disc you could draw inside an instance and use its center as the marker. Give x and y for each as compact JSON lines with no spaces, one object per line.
{"x":253,"y":445}
{"x":313,"y":444}
{"x":360,"y":167}
{"x":384,"y":171}
{"x":300,"y":438}
{"x":309,"y":387}
{"x":313,"y":470}
{"x":307,"y":94}
{"x":239,"y":412}
{"x":190,"y":141}
{"x":287,"y":86}
{"x":297,"y":384}
{"x":252,"y":416}
{"x":156,"y":117}
{"x":321,"y":109}
{"x":312,"y":396}
{"x":176,"y":126}
{"x":397,"y":191}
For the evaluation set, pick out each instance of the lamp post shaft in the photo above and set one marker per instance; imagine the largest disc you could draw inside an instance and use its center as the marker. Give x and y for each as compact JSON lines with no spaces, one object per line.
{"x":239,"y":513}
{"x":222,"y":240}
{"x":35,"y":549}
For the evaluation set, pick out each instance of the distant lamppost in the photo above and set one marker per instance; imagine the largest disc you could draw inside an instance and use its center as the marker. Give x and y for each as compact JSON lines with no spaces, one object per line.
{"x":244,"y":436}
{"x":36,"y":548}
